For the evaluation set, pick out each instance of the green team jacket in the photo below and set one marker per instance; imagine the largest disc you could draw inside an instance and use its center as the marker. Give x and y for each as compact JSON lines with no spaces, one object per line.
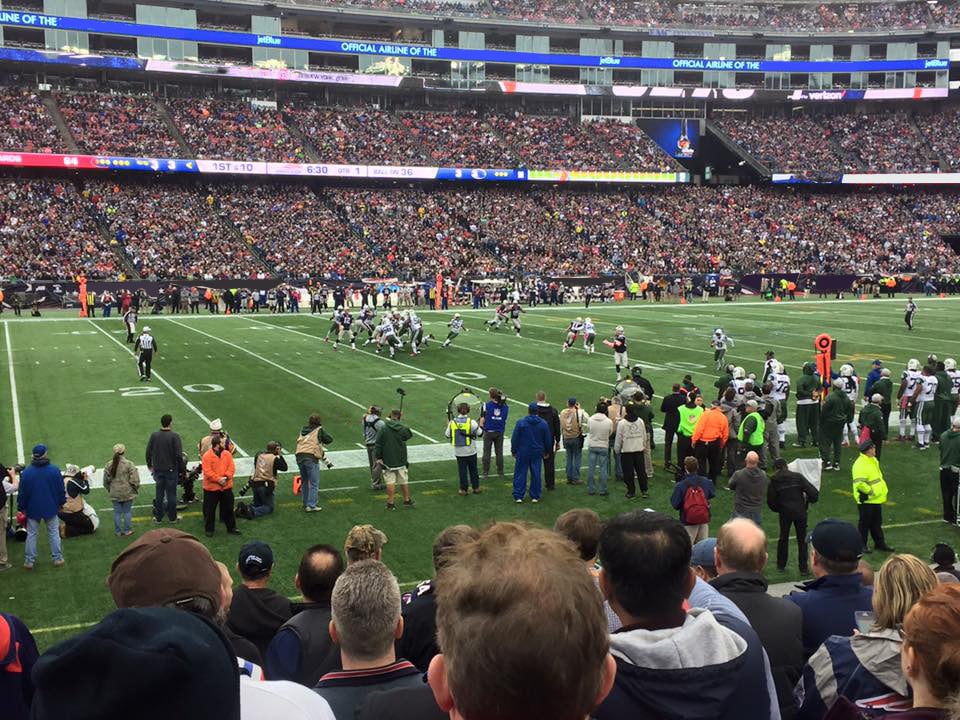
{"x":391,"y":444}
{"x":806,"y":386}
{"x":883,"y":387}
{"x":871,"y":417}
{"x":837,"y":409}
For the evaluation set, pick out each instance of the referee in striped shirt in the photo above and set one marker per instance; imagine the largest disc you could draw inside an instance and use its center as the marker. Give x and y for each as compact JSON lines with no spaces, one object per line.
{"x":145,"y":347}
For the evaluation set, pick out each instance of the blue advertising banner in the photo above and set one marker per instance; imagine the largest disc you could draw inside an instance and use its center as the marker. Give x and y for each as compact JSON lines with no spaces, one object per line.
{"x":359,"y":47}
{"x":679,"y":137}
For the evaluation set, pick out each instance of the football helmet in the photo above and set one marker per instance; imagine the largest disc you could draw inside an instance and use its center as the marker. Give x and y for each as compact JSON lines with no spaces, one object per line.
{"x":739,"y":373}
{"x":846,"y":370}
{"x":913,"y":364}
{"x":950,"y":364}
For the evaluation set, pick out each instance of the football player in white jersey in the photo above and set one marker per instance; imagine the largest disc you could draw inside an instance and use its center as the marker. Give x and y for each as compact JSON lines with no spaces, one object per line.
{"x":909,"y":382}
{"x":573,"y":330}
{"x":769,"y":366}
{"x":334,"y":324}
{"x":739,"y":382}
{"x":719,"y":343}
{"x":781,"y":392}
{"x":923,"y":398}
{"x":456,"y":327}
{"x":851,"y":388}
{"x":388,"y":335}
{"x":589,"y":336}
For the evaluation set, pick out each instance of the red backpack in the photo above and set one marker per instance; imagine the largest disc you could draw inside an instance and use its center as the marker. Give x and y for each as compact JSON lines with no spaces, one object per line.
{"x":696,"y":509}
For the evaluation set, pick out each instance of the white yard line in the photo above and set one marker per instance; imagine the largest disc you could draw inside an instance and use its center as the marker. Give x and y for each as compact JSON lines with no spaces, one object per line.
{"x":14,"y":399}
{"x":193,"y":408}
{"x":287,"y":370}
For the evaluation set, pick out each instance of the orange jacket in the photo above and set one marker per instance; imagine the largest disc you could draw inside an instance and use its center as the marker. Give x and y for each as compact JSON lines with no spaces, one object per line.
{"x":711,"y":426}
{"x":215,"y":468}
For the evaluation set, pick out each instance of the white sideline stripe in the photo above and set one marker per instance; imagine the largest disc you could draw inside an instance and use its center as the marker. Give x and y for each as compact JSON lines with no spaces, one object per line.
{"x":341,"y":459}
{"x":339,"y":488}
{"x":14,"y":399}
{"x":289,"y":371}
{"x":177,"y":394}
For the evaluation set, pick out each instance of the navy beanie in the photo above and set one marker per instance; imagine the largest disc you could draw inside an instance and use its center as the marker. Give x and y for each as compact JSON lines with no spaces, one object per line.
{"x":144,"y":663}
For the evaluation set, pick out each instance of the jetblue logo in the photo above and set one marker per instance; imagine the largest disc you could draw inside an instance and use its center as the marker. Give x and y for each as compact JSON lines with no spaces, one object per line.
{"x":609,"y":61}
{"x":268,"y":40}
{"x":936,"y":64}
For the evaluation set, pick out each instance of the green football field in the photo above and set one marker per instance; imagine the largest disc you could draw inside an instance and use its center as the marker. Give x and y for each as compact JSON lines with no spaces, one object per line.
{"x":72,"y":384}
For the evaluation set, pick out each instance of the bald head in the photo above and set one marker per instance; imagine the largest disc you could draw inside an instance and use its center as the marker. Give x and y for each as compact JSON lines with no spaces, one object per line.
{"x":752,"y":459}
{"x":741,"y":547}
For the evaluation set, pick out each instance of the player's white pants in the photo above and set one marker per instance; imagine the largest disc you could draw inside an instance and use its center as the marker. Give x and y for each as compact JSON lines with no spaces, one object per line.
{"x":907,"y":424}
{"x":782,"y":432}
{"x":621,"y":359}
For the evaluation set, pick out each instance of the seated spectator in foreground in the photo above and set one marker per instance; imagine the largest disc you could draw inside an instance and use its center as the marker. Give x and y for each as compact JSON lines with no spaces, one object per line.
{"x":671,"y":662}
{"x":302,"y":650}
{"x":945,"y":560}
{"x":257,"y":612}
{"x":522,"y":630}
{"x":829,"y":601}
{"x":741,"y":556}
{"x":703,"y":559}
{"x":419,"y":607}
{"x":931,"y":654}
{"x":867,"y":665}
{"x":169,"y":568}
{"x":118,"y":667}
{"x":582,"y":527}
{"x":18,"y":653}
{"x":364,"y":542}
{"x":366,"y":623}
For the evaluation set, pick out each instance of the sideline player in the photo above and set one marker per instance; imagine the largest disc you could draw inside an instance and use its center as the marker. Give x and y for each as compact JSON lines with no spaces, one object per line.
{"x":573,"y":330}
{"x":769,"y":366}
{"x":145,"y":347}
{"x":910,"y":380}
{"x":781,"y":393}
{"x":851,"y":388}
{"x":719,"y":343}
{"x":950,"y":365}
{"x":589,"y":336}
{"x":923,"y":400}
{"x":456,"y":327}
{"x":909,"y":312}
{"x":739,"y":382}
{"x":499,"y":317}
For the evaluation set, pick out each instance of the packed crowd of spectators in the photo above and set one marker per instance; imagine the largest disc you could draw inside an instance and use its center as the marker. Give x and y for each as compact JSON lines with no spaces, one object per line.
{"x":809,"y":16}
{"x":242,"y":229}
{"x":297,"y":231}
{"x":463,"y":139}
{"x":117,"y":125}
{"x":361,"y":135}
{"x":880,"y":142}
{"x":234,"y":130}
{"x":25,"y":123}
{"x":47,"y":231}
{"x":172,"y":231}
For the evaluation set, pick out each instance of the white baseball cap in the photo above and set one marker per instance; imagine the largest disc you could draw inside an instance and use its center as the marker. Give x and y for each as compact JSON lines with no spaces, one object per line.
{"x":216,"y":424}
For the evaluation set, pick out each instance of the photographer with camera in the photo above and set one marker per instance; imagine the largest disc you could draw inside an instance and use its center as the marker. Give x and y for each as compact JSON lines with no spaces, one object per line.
{"x":8,"y":486}
{"x":263,"y":480}
{"x":372,"y":422}
{"x":493,"y":422}
{"x":310,"y":452}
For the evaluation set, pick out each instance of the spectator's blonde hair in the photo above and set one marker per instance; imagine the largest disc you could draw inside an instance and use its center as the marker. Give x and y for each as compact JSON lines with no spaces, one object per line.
{"x":899,"y":583}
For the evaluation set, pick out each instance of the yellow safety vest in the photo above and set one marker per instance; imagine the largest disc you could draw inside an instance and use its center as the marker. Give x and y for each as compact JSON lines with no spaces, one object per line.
{"x":756,"y":437}
{"x":871,"y":482}
{"x":462,"y":427}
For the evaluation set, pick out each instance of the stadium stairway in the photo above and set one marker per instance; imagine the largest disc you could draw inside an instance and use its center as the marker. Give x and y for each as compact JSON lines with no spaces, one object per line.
{"x":223,"y":218}
{"x":731,"y":145}
{"x":118,"y":248}
{"x":942,"y":162}
{"x":298,"y":135}
{"x":51,"y":105}
{"x":161,"y":109}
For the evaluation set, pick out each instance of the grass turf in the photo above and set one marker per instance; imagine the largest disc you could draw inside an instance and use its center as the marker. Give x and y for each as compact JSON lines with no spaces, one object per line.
{"x":77,"y":390}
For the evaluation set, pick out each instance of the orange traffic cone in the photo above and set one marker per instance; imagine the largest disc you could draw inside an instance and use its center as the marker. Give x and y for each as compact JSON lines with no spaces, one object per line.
{"x":683,"y":300}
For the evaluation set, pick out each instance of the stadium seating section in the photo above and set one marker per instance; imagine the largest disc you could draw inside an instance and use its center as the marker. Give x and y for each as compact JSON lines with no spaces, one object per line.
{"x":660,"y":13}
